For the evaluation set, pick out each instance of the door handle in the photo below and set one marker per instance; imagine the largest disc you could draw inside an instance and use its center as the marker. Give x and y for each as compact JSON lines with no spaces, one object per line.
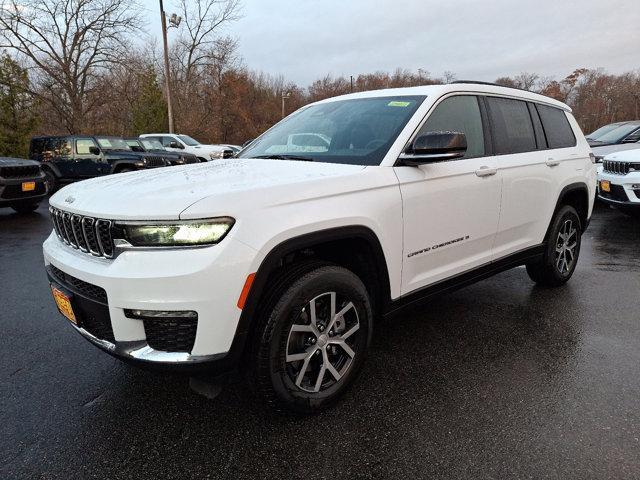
{"x":486,"y":171}
{"x":552,"y":163}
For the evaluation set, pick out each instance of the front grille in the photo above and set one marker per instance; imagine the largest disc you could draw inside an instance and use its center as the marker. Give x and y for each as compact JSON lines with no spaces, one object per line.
{"x":154,"y":161}
{"x":92,"y":292}
{"x":90,"y":235}
{"x":22,"y":171}
{"x":189,"y":159}
{"x":11,"y":192}
{"x":171,"y":334}
{"x":617,"y":193}
{"x":619,"y":168}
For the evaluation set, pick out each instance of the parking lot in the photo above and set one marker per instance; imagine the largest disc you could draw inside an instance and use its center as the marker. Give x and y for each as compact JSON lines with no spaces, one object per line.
{"x":498,"y":380}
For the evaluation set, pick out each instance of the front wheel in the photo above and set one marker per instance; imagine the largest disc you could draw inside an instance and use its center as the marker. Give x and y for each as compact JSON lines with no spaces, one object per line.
{"x":562,"y":250}
{"x":312,"y":341}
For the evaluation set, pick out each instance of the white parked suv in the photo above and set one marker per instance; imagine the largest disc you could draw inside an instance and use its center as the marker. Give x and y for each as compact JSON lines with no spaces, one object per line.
{"x":277,"y":263}
{"x":619,"y":181}
{"x":184,"y":143}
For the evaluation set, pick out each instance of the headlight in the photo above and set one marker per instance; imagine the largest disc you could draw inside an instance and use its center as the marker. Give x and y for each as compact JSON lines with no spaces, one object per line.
{"x":216,"y":155}
{"x":175,"y":234}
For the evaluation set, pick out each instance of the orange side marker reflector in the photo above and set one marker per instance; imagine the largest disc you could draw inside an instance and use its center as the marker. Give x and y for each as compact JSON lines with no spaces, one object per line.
{"x":245,"y":290}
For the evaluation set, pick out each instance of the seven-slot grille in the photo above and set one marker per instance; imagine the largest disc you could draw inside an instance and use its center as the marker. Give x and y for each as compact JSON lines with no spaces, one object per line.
{"x":153,"y":161}
{"x":20,"y":171}
{"x":87,"y":234}
{"x":619,"y":168}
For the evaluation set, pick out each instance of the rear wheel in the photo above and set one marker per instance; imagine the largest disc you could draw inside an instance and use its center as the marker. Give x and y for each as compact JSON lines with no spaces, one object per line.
{"x":562,"y":250}
{"x":126,"y":169}
{"x":312,"y":338}
{"x":25,"y":207}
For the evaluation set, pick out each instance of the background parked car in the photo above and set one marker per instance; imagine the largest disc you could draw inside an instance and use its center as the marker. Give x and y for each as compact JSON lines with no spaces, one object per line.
{"x":65,"y":159}
{"x":619,"y":181}
{"x":152,"y":145}
{"x":184,"y":143}
{"x":22,"y":184}
{"x":614,"y":137}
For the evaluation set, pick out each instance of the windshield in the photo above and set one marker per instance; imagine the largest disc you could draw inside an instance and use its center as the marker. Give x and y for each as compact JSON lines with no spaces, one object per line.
{"x":602,"y":131}
{"x":110,"y":143}
{"x":358,"y":131}
{"x":616,"y":134}
{"x":151,"y":144}
{"x":188,"y":140}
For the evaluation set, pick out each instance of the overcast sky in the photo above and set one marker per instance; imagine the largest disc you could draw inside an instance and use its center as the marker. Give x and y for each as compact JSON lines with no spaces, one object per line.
{"x":482,"y":40}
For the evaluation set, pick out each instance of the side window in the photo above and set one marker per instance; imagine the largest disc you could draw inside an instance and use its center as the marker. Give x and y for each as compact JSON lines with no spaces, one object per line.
{"x":633,"y":137}
{"x":61,"y":147}
{"x":512,"y":126}
{"x":166,"y":141}
{"x":459,"y":114}
{"x":83,"y":145}
{"x":556,"y":127}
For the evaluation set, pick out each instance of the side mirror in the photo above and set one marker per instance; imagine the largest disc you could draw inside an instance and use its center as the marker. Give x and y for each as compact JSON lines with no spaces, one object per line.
{"x":94,"y":150}
{"x":434,"y":147}
{"x":175,"y":144}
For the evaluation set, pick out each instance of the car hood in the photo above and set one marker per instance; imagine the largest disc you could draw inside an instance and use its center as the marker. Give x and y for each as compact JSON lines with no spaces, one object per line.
{"x":631,"y":155}
{"x":16,"y":162}
{"x":164,"y":193}
{"x":608,"y":149}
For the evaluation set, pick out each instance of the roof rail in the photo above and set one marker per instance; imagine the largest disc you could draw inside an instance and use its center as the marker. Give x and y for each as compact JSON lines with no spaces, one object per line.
{"x":478,"y":82}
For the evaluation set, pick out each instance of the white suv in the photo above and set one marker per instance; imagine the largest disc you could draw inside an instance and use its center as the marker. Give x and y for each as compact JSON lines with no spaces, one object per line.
{"x":619,"y":181}
{"x":184,"y":143}
{"x":278,"y":262}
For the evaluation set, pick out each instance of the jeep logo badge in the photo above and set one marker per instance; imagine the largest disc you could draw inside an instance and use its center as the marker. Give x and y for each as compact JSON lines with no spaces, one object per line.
{"x":69,"y":199}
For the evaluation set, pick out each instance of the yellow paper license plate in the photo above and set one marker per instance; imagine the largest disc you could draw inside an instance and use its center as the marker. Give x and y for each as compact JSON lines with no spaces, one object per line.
{"x":28,"y":186}
{"x":605,"y":186}
{"x":64,"y":304}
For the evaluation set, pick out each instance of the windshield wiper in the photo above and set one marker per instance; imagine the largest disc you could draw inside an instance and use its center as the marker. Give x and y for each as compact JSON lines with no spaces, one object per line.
{"x":286,"y":157}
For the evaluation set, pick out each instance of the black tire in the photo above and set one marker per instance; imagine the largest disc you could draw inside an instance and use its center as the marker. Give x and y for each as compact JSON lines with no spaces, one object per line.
{"x":51,"y":181}
{"x":560,"y":258}
{"x":24,"y":208}
{"x":126,"y":169}
{"x":202,"y":160}
{"x":287,"y":303}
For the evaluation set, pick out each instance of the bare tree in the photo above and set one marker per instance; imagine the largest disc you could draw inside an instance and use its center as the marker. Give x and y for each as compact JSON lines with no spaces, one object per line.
{"x":66,"y":44}
{"x":203,"y":20}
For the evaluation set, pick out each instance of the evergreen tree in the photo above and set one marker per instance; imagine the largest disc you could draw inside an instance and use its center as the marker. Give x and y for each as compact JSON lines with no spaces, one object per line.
{"x":149,"y":109}
{"x":17,"y":109}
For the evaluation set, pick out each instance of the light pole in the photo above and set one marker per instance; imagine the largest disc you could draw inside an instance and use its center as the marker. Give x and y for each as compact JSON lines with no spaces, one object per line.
{"x":285,"y":95}
{"x":174,"y":22}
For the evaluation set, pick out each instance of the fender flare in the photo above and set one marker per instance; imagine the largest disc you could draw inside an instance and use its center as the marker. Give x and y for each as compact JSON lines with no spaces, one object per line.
{"x":572,"y":187}
{"x":271,"y":263}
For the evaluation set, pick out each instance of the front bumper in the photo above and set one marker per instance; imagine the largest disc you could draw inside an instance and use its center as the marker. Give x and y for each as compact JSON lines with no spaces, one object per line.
{"x":11,"y":191}
{"x":205,"y":280}
{"x":625,"y":189}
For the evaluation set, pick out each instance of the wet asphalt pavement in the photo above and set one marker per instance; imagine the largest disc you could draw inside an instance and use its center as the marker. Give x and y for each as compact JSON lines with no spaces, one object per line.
{"x":498,"y":380}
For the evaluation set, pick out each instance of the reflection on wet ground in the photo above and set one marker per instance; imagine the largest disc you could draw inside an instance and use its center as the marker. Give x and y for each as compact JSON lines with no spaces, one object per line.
{"x":499,"y":380}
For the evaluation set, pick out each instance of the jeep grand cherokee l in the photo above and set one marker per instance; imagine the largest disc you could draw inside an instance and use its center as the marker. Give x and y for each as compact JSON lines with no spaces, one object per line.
{"x":276,"y":263}
{"x":22,"y":184}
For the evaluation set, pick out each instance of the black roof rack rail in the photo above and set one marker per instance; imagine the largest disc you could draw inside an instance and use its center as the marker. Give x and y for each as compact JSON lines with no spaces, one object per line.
{"x":478,"y":82}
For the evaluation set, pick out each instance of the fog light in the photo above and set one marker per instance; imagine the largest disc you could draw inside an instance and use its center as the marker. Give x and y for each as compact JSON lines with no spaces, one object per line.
{"x":146,"y":314}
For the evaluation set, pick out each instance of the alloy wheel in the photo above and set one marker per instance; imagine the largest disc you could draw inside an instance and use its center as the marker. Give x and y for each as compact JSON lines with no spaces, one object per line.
{"x":321,"y":344}
{"x":566,"y":245}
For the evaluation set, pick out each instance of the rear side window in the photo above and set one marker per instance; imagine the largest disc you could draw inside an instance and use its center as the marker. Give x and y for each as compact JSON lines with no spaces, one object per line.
{"x":512,"y":127}
{"x":556,"y":127}
{"x":166,"y":141}
{"x":459,"y":114}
